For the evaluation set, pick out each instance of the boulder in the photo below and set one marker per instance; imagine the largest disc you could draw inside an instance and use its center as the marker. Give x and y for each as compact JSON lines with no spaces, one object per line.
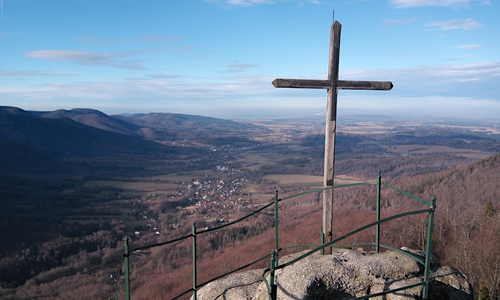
{"x":345,"y":274}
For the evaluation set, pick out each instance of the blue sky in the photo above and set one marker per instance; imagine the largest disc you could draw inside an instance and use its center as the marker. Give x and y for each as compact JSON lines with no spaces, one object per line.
{"x":219,"y":57}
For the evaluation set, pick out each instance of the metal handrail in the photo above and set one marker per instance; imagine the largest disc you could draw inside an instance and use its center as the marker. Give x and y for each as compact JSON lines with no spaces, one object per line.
{"x":318,"y":247}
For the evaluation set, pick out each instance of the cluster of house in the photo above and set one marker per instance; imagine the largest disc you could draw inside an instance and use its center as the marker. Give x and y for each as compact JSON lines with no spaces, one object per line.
{"x":217,"y":197}
{"x":151,"y":224}
{"x":213,"y":198}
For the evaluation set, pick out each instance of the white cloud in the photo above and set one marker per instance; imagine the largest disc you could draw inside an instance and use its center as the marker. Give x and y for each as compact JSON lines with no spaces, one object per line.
{"x":154,"y":77}
{"x":88,"y":58}
{"x":421,"y":89}
{"x":82,"y":57}
{"x":236,"y":67}
{"x":443,"y":3}
{"x":250,"y":3}
{"x":163,"y":76}
{"x":245,"y":3}
{"x":470,"y":46}
{"x":484,"y":69}
{"x":444,"y":80}
{"x":137,"y":40}
{"x":467,"y":24}
{"x":445,"y":72}
{"x":461,"y":57}
{"x":392,"y":22}
{"x":472,"y":80}
{"x":184,"y":48}
{"x":214,"y":97}
{"x":419,"y":105}
{"x":209,"y":90}
{"x":26,"y":74}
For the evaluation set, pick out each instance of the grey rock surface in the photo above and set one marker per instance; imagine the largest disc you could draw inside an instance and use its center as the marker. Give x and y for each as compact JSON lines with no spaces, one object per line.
{"x":236,"y":286}
{"x":345,"y":274}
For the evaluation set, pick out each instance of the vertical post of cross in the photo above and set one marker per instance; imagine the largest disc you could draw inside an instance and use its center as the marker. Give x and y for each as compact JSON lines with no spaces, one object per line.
{"x":331,"y":124}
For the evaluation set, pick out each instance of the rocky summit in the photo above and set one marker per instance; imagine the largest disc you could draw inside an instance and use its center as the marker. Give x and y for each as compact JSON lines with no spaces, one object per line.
{"x":346,"y":274}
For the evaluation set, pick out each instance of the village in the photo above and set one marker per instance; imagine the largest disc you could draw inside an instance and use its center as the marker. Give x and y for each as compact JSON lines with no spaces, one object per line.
{"x":213,"y":199}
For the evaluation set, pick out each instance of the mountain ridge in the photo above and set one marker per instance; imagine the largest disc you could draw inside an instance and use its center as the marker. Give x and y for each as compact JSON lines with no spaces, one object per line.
{"x":93,"y":118}
{"x":154,"y":126}
{"x":27,"y":139}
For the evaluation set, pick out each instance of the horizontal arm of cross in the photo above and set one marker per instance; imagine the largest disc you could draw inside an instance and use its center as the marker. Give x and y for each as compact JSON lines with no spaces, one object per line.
{"x":326,"y":84}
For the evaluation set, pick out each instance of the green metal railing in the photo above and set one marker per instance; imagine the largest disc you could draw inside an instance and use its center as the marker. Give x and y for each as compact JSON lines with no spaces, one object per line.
{"x":274,"y":255}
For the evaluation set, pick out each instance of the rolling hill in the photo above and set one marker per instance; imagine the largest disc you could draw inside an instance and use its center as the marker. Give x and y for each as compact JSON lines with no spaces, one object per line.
{"x":93,"y":118}
{"x":33,"y":144}
{"x":161,"y":127}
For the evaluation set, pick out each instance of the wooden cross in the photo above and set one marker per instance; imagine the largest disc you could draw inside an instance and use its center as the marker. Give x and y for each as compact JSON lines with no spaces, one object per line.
{"x":332,"y":85}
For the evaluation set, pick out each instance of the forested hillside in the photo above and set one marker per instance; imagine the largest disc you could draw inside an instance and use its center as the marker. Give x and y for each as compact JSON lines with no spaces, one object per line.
{"x":467,"y":235}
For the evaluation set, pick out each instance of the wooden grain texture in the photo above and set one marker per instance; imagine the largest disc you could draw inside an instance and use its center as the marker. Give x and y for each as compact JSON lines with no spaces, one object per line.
{"x":327,"y":84}
{"x":331,"y":118}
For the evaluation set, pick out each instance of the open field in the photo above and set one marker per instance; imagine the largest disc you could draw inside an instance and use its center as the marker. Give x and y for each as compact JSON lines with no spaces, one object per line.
{"x":424,"y":149}
{"x":295,"y":179}
{"x":184,"y":176}
{"x":155,"y":184}
{"x":135,"y":187}
{"x":289,"y":179}
{"x":120,"y":210}
{"x":255,"y":194}
{"x":257,"y":160}
{"x":344,"y":179}
{"x":367,"y":130}
{"x":485,"y":129}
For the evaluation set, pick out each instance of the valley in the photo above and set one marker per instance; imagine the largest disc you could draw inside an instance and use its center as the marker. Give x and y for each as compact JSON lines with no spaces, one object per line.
{"x":150,"y":177}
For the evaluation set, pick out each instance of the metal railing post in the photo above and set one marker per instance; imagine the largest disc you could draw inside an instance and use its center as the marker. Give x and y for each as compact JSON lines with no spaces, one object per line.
{"x":377,"y":228}
{"x":274,"y":287}
{"x":430,"y":231}
{"x":127,"y":272}
{"x":276,"y":221}
{"x":194,"y":261}
{"x":322,"y":241}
